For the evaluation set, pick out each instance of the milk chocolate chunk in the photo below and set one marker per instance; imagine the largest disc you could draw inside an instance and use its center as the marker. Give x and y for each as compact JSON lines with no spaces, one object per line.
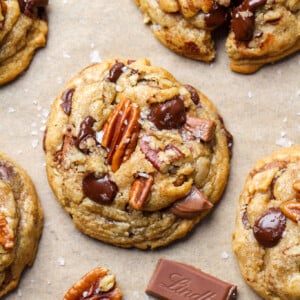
{"x":191,"y":205}
{"x":269,"y":228}
{"x":168,"y":115}
{"x":177,"y":281}
{"x":101,"y":190}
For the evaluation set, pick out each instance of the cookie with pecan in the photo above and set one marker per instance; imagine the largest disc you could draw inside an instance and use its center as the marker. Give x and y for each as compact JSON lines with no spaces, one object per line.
{"x":263,"y":32}
{"x":20,"y":223}
{"x":97,"y":284}
{"x":136,"y":158}
{"x":266,"y":239}
{"x":23,"y":29}
{"x":185,"y":26}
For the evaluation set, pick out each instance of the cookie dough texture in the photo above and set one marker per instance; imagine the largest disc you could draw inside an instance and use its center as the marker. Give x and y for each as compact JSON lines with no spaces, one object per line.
{"x":261,"y":32}
{"x":23,"y":29}
{"x":267,"y":236}
{"x":20,"y":223}
{"x":135,"y":157}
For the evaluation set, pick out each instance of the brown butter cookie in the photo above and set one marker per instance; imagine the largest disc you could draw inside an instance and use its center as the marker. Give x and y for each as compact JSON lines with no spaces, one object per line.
{"x":20,"y":223}
{"x":137,"y":158}
{"x":23,"y":29}
{"x":266,"y":239}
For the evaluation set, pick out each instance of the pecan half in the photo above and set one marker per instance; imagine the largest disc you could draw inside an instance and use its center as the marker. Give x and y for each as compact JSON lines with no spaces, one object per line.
{"x":97,"y":284}
{"x":140,"y":191}
{"x":200,"y":128}
{"x":120,"y":133}
{"x":291,"y":209}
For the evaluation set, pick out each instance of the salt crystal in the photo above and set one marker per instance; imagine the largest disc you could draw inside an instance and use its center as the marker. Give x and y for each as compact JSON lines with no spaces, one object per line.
{"x":34,"y":102}
{"x":250,"y":94}
{"x":142,"y":174}
{"x":283,"y":134}
{"x":85,"y":293}
{"x":33,"y":124}
{"x":119,"y":88}
{"x":279,"y":72}
{"x":19,"y":293}
{"x":284,"y":120}
{"x":156,"y":27}
{"x":95,"y":57}
{"x":11,"y":110}
{"x":225,"y":255}
{"x":66,"y":54}
{"x":34,"y":143}
{"x":99,"y":136}
{"x":284,"y":142}
{"x":61,"y":261}
{"x":34,"y":132}
{"x":42,"y":129}
{"x":92,"y":45}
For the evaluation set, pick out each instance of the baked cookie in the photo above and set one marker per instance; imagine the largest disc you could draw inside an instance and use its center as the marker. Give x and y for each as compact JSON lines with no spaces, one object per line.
{"x":20,"y":223}
{"x":23,"y":29}
{"x":97,"y":284}
{"x":185,"y":26}
{"x":263,"y":31}
{"x":267,"y":236}
{"x":133,"y":155}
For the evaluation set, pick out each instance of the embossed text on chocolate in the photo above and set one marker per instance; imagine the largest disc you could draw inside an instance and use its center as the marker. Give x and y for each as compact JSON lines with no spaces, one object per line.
{"x":181,"y":286}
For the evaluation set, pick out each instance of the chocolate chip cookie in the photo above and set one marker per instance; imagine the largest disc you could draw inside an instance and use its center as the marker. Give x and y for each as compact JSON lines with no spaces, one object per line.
{"x":267,"y":236}
{"x":261,"y":31}
{"x":97,"y":284}
{"x":20,"y":223}
{"x":23,"y":29}
{"x":135,"y":157}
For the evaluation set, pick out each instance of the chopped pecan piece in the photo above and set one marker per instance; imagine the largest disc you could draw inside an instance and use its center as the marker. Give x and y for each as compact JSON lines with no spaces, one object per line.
{"x":140,"y":191}
{"x":120,"y":133}
{"x":291,"y":209}
{"x":200,"y":128}
{"x":3,"y":11}
{"x":296,"y":186}
{"x":6,"y":240}
{"x":97,"y":284}
{"x":189,"y":8}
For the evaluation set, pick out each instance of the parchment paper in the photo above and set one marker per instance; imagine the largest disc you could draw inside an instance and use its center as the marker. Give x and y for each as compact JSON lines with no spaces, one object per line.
{"x":262,"y":111}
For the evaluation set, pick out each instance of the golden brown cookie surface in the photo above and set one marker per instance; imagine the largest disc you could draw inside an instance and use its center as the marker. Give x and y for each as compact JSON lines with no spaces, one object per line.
{"x":135,"y":157}
{"x":23,"y":29}
{"x":267,"y":240}
{"x":20,"y":223}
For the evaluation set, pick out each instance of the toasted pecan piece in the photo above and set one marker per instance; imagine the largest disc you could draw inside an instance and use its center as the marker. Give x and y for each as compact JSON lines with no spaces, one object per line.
{"x":120,"y":133}
{"x":97,"y":284}
{"x":291,"y":209}
{"x":140,"y":191}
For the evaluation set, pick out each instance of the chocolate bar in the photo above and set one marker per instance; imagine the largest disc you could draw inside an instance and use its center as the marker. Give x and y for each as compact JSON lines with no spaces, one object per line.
{"x":177,"y":281}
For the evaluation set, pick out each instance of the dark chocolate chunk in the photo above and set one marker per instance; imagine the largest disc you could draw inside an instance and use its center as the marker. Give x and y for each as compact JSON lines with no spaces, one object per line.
{"x":115,"y":71}
{"x":168,"y":115}
{"x":6,"y":171}
{"x":67,"y":100}
{"x":101,"y":190}
{"x":86,"y":131}
{"x":33,"y":8}
{"x":243,"y":19}
{"x":216,"y":16}
{"x":268,"y":229}
{"x":192,"y":205}
{"x":177,"y":281}
{"x":194,"y":94}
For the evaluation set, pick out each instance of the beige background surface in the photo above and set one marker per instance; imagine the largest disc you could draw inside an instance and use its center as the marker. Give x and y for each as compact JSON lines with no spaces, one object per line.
{"x":261,"y":110}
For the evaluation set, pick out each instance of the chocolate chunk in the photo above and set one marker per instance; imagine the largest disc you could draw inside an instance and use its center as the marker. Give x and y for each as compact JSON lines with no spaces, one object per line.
{"x":101,"y":190}
{"x":151,"y":154}
{"x":86,"y":131}
{"x":200,"y":128}
{"x":168,"y":115}
{"x":115,"y":71}
{"x":192,"y":205}
{"x":6,"y":172}
{"x":268,"y":229}
{"x":216,"y":16}
{"x":67,"y":100}
{"x":33,"y":8}
{"x":177,"y":281}
{"x":194,"y":94}
{"x":243,"y":19}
